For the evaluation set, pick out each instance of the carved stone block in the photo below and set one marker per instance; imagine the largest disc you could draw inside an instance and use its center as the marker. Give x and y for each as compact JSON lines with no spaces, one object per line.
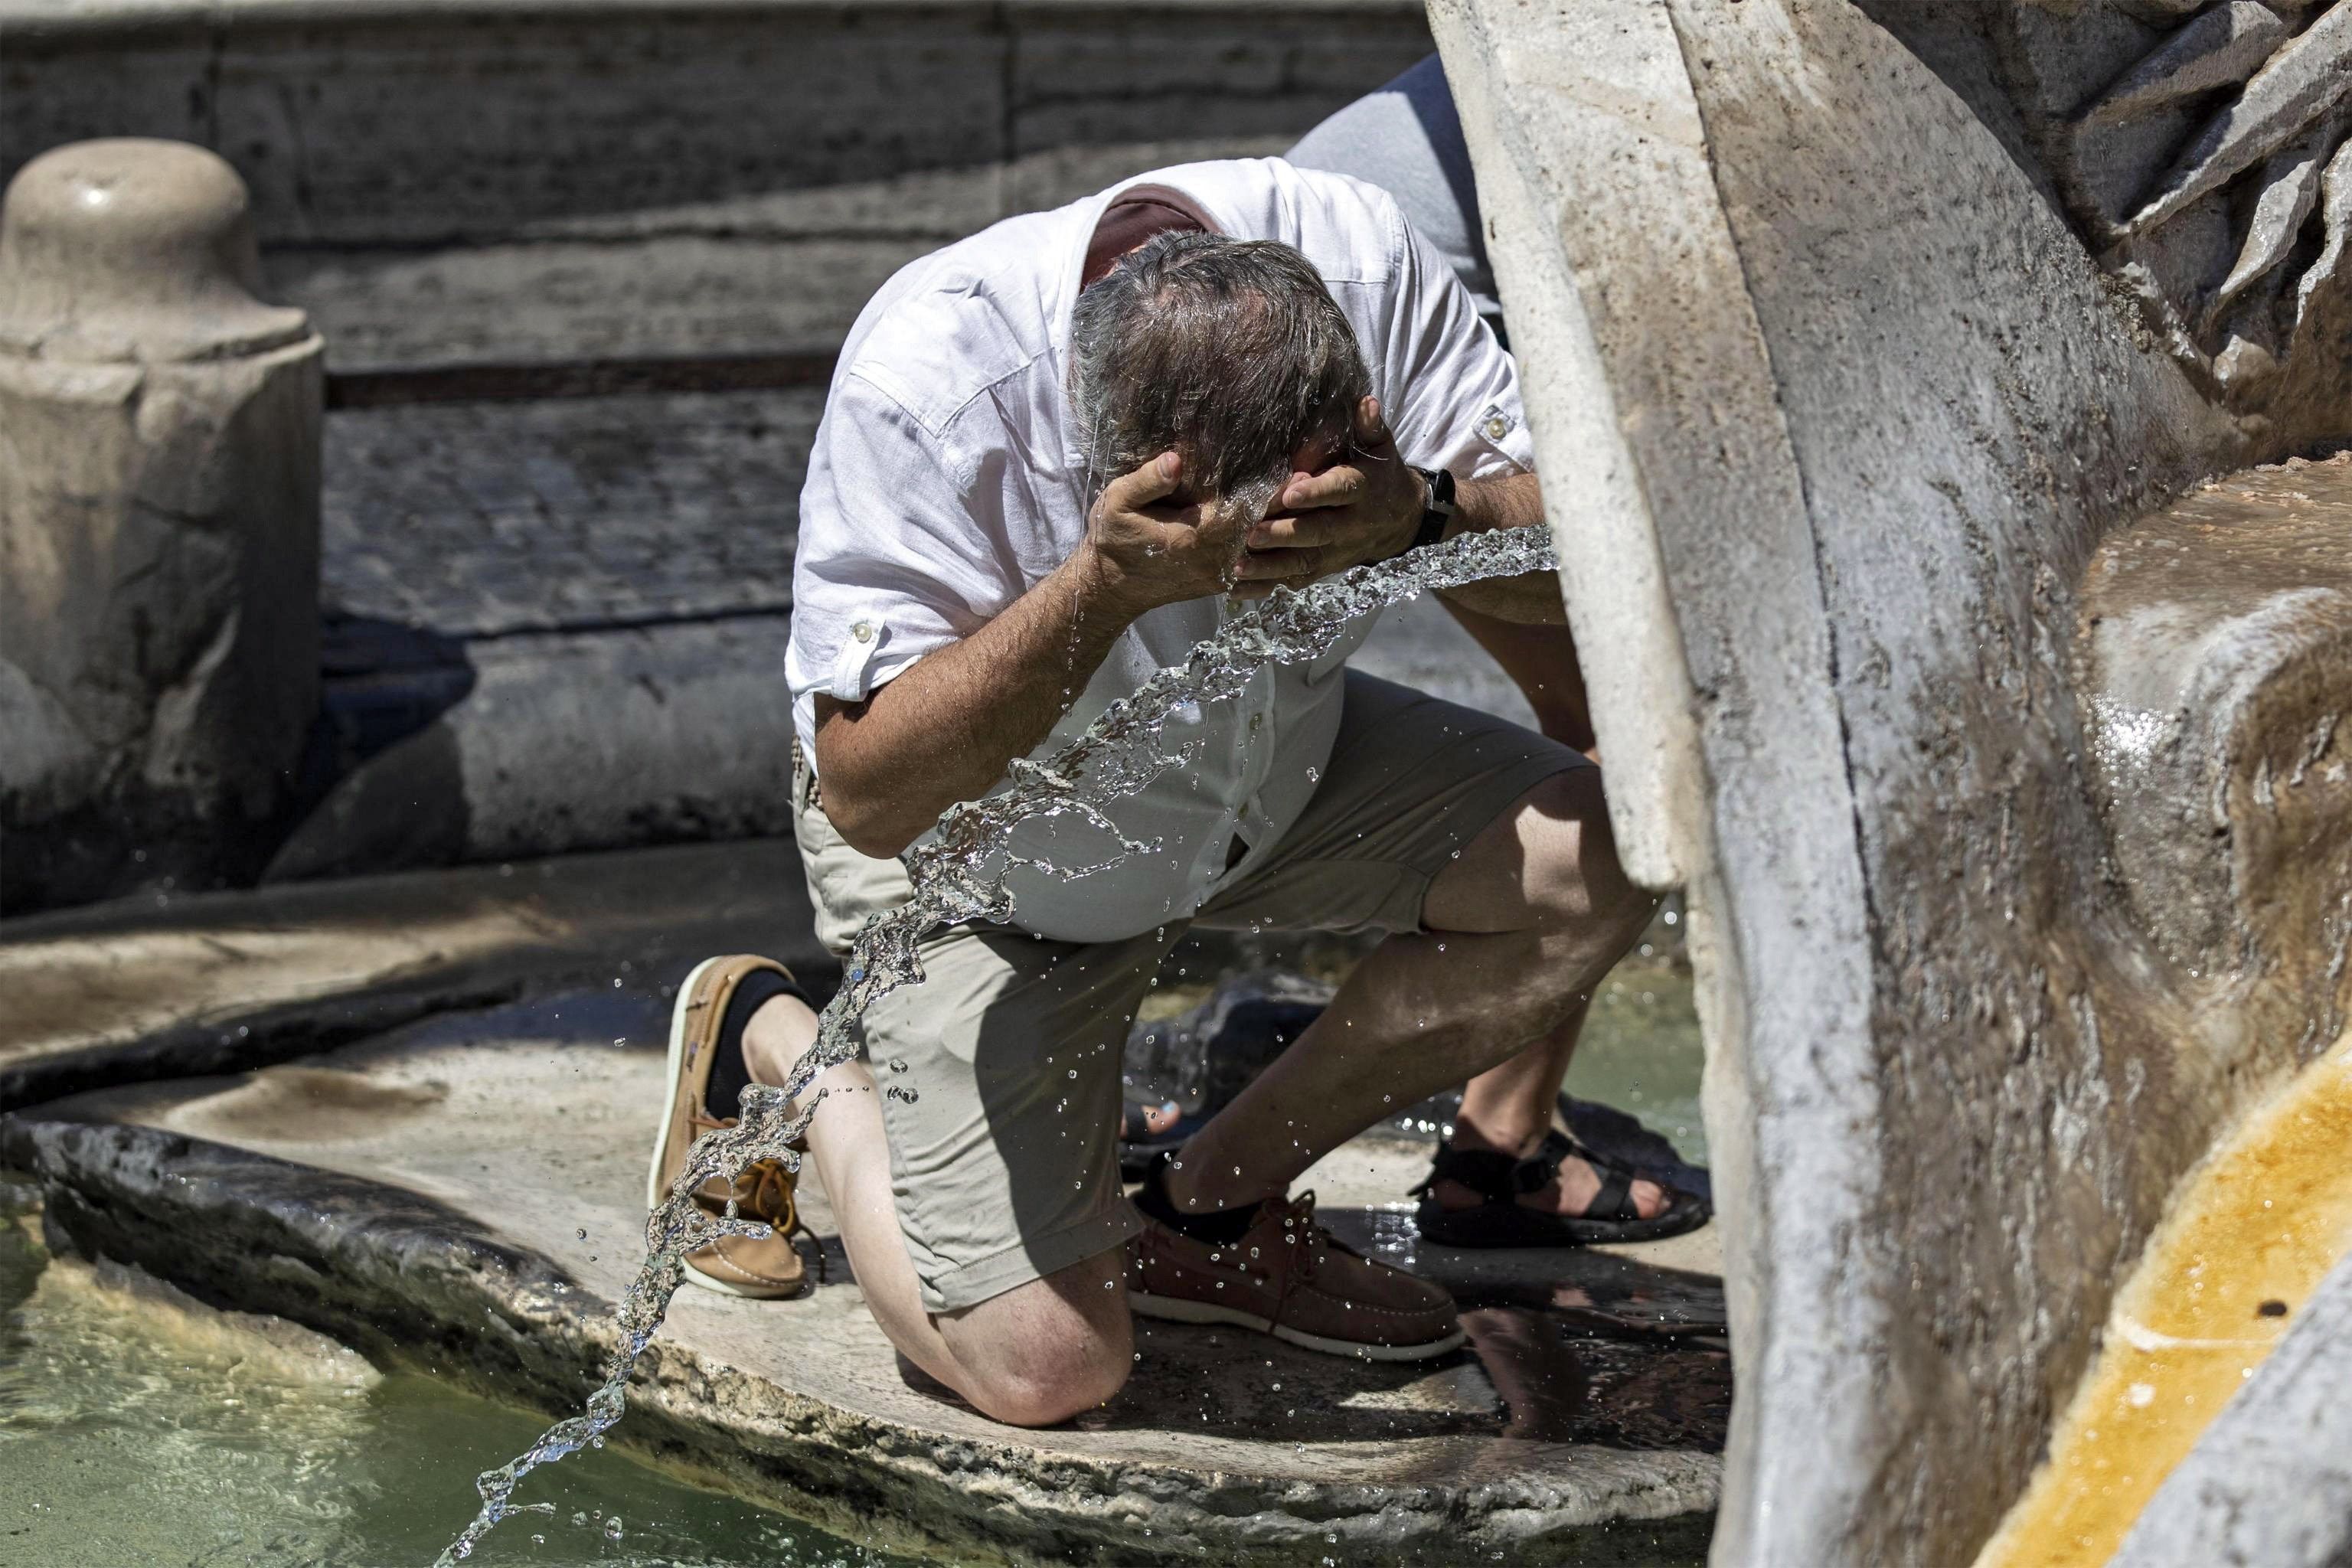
{"x":159,"y":525}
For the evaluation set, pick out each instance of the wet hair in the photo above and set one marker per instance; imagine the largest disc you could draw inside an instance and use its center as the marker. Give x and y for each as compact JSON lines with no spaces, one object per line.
{"x":1229,"y":350}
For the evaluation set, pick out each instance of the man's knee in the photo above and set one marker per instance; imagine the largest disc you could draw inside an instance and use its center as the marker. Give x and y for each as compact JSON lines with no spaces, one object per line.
{"x":1573,"y":876}
{"x":1052,"y":1384}
{"x":1045,"y":1352}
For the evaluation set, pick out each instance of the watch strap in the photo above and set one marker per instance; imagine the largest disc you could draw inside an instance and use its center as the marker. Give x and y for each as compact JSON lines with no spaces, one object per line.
{"x":1439,"y":511}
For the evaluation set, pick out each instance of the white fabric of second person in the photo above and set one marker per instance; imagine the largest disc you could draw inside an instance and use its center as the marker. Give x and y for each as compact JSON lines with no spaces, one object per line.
{"x":947,"y":480}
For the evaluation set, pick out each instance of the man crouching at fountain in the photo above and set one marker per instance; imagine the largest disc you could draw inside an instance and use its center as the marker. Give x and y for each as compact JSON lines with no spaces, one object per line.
{"x":1049,"y":452}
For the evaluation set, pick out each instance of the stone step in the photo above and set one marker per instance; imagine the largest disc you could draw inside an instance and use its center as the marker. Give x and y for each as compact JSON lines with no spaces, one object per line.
{"x":158,"y":986}
{"x":481,"y":520}
{"x":2215,"y":650}
{"x":770,"y":272}
{"x":558,"y":625}
{"x":489,"y":182}
{"x":467,"y":1195}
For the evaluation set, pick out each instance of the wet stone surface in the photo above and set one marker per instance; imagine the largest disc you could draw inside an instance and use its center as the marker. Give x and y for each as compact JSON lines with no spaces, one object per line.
{"x":483,"y":1210}
{"x":158,"y":986}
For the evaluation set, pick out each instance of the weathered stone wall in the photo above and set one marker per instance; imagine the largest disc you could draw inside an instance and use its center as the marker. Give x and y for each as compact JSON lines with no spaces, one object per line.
{"x":506,"y":180}
{"x":1833,"y":407}
{"x":2201,"y":150}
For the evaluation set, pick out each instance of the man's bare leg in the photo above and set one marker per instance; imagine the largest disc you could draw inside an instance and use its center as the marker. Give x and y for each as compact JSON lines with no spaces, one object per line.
{"x":1519,"y":929}
{"x":1040,"y":1352}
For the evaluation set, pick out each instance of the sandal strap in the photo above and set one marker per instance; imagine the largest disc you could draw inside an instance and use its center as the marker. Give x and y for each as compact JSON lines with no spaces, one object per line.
{"x":1494,"y":1176}
{"x":1498,"y":1178}
{"x":1615,"y":1198}
{"x":1614,"y":1201}
{"x":1565,"y":1147}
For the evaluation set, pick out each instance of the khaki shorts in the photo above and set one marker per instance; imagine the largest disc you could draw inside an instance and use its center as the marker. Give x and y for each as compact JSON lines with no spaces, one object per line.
{"x":1000,"y":1073}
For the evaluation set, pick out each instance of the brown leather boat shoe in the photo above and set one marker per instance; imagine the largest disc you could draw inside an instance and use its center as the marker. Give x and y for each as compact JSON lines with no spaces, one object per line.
{"x":764,"y":1267}
{"x":1290,"y":1278}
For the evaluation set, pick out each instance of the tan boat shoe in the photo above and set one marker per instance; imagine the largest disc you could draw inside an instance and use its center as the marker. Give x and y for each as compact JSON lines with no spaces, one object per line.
{"x":1290,"y":1278}
{"x":764,"y":1267}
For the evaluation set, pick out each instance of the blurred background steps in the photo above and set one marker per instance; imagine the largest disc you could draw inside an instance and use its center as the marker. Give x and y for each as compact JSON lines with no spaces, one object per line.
{"x":581,"y":271}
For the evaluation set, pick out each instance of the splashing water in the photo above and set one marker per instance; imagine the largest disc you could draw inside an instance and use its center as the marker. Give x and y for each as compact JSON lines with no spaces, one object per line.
{"x":960,"y":877}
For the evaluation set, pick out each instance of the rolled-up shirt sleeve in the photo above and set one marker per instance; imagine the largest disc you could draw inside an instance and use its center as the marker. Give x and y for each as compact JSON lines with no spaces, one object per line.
{"x":1451,"y":392}
{"x":891,"y":563}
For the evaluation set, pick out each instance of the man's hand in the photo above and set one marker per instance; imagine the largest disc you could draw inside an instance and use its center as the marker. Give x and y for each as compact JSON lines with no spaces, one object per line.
{"x":1365,"y":509}
{"x":1143,"y":550}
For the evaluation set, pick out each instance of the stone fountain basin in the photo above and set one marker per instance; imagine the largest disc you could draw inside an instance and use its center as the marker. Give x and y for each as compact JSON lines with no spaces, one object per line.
{"x":465,"y":1196}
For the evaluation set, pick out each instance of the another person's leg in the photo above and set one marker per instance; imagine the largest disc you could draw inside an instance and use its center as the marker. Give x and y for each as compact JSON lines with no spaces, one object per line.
{"x":1484,"y":851}
{"x":1541,"y":662}
{"x":1514,"y":935}
{"x":1509,"y":1108}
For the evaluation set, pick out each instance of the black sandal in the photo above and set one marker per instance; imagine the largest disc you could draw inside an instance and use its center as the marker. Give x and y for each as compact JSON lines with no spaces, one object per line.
{"x":1503,"y":1221}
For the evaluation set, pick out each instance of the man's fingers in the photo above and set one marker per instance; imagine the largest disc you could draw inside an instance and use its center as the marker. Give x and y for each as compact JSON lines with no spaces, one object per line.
{"x":1291,"y":533}
{"x":1279,"y":565}
{"x":1150,"y":482}
{"x":1340,"y":485}
{"x":1372,"y":426}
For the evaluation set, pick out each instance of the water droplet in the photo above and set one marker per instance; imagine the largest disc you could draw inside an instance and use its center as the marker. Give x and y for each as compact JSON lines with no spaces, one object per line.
{"x":613,"y":1528}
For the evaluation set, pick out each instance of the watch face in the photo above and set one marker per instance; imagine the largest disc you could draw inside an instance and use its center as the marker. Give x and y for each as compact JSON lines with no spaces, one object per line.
{"x":1441,"y":489}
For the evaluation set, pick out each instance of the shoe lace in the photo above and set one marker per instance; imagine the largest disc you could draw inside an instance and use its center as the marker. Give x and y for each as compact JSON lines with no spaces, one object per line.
{"x":1314,"y":1242}
{"x":764,"y":1190}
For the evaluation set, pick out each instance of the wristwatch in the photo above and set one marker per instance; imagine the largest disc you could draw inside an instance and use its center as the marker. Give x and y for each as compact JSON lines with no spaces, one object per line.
{"x":1438,"y":511}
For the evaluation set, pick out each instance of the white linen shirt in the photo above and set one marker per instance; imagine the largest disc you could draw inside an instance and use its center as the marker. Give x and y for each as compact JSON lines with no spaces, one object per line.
{"x":947,"y":480}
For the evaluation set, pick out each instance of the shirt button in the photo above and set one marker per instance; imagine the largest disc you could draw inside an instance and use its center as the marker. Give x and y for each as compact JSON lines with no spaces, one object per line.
{"x":1497,"y":428}
{"x":863,"y":631}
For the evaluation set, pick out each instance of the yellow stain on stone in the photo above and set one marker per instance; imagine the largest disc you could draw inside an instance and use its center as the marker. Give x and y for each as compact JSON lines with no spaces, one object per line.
{"x":2252,"y":1234}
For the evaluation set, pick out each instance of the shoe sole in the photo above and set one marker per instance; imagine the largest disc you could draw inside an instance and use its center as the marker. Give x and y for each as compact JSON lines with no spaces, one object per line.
{"x":1176,"y":1310}
{"x":655,"y":1192}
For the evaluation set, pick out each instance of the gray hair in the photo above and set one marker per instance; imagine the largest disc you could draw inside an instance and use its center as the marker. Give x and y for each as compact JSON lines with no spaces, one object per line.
{"x":1231,"y":352}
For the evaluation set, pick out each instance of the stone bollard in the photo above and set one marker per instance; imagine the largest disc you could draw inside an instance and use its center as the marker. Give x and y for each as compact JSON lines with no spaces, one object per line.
{"x":159,"y":527}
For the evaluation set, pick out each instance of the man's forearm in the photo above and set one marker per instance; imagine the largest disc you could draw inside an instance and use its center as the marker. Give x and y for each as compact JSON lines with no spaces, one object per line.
{"x":945,"y":730}
{"x":1512,"y":501}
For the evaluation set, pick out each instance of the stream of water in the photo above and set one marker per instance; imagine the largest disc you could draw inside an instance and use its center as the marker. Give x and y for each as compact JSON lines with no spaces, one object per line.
{"x":959,"y":876}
